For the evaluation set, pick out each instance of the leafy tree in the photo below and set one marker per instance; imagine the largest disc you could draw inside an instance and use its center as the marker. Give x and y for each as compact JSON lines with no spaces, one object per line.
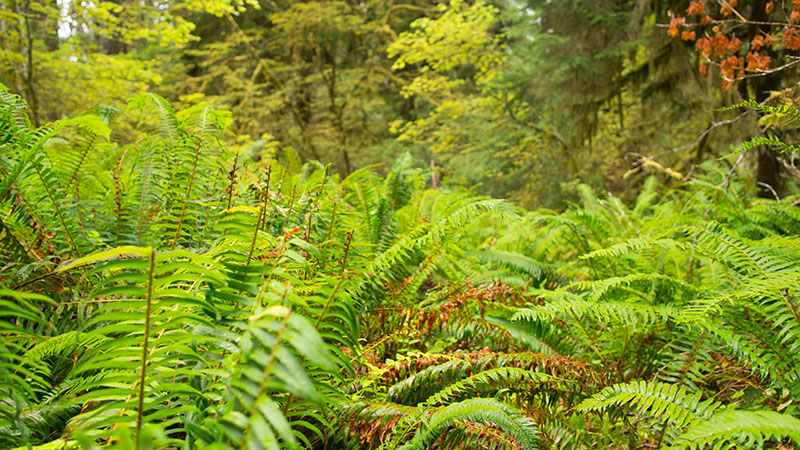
{"x":308,"y":75}
{"x":79,"y":55}
{"x":747,"y":42}
{"x":470,"y":124}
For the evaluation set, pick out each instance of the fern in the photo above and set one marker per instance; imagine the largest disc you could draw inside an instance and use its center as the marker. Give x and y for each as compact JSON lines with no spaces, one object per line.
{"x":739,"y":428}
{"x":495,"y":378}
{"x":524,"y":431}
{"x":226,"y":304}
{"x":671,"y":402}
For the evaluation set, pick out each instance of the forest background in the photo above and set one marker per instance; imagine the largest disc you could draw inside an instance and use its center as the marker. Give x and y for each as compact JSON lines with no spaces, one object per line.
{"x":265,"y":224}
{"x":521,"y":99}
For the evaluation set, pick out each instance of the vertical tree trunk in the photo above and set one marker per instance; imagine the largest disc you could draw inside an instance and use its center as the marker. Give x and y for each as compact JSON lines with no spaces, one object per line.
{"x":768,"y":175}
{"x":768,"y":172}
{"x":50,"y":24}
{"x":28,"y":66}
{"x":112,"y":45}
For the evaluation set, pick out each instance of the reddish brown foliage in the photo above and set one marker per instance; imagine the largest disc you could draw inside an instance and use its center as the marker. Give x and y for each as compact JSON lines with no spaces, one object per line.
{"x":719,"y":46}
{"x":555,"y":365}
{"x":760,"y":41}
{"x":757,"y":62}
{"x":674,"y":24}
{"x":790,"y":39}
{"x":696,"y":9}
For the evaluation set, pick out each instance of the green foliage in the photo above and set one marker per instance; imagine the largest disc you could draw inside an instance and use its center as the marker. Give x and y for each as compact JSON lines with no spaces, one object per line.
{"x":482,"y":411}
{"x":170,"y":294}
{"x":673,"y":403}
{"x":457,"y":61}
{"x":748,"y":428}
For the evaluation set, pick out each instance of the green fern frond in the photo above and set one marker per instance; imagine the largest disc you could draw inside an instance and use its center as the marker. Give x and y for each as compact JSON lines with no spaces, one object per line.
{"x":495,"y":379}
{"x":484,"y":411}
{"x":18,"y":380}
{"x":635,"y":245}
{"x":749,"y":103}
{"x":517,"y":262}
{"x":535,"y":335}
{"x":718,"y":242}
{"x":671,"y":402}
{"x":561,"y":303}
{"x":736,"y":429}
{"x":771,"y":141}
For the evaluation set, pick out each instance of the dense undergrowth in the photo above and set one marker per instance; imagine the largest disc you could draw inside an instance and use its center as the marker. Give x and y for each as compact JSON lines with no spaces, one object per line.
{"x":169,"y":294}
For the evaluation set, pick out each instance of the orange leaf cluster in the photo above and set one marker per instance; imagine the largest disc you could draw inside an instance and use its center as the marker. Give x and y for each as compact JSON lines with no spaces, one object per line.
{"x":790,"y":39}
{"x":756,"y":61}
{"x":727,"y":7}
{"x":696,"y":9}
{"x":703,"y":47}
{"x":734,"y":45}
{"x":728,"y":68}
{"x":720,"y":43}
{"x":673,"y":26}
{"x":760,"y":41}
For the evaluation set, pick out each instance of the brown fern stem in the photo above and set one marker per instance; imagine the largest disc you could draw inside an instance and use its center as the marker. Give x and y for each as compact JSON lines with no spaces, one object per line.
{"x":188,"y":192}
{"x":118,"y":207}
{"x":58,"y":211}
{"x":143,"y":370}
{"x":232,"y":179}
{"x":339,"y":284}
{"x":261,"y":216}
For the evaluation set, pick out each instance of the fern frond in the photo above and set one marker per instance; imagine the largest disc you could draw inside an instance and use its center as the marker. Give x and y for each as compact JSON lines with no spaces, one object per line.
{"x":516,"y":262}
{"x":635,"y":245}
{"x":671,"y":402}
{"x":749,"y":103}
{"x":733,"y":429}
{"x":770,"y":140}
{"x":18,"y":380}
{"x":483,"y":411}
{"x":494,"y":379}
{"x":562,"y":303}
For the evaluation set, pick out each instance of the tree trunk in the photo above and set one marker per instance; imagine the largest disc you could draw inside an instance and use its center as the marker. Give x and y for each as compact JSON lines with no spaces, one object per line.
{"x":768,"y":172}
{"x":112,"y":45}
